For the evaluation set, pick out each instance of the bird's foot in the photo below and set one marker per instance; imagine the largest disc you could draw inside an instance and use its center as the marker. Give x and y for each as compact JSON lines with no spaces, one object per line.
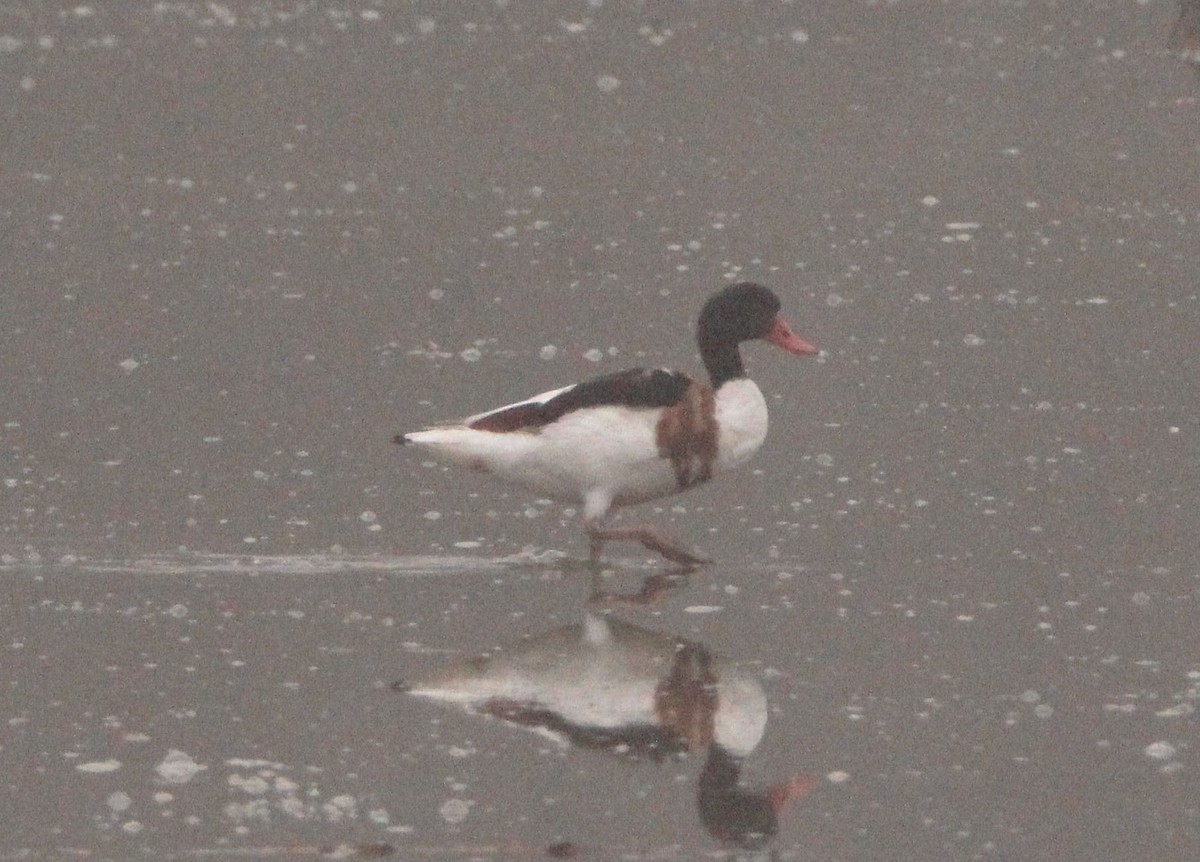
{"x":651,"y":538}
{"x":683,"y":557}
{"x":654,"y":588}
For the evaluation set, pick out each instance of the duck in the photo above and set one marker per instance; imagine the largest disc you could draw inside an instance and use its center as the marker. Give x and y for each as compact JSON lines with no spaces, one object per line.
{"x":632,"y":436}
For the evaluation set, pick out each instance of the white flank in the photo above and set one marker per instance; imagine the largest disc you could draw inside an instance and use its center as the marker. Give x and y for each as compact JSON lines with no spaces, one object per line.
{"x":606,"y":452}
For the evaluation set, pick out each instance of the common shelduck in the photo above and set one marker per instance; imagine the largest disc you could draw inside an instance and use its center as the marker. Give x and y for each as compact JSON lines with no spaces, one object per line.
{"x":634,"y":435}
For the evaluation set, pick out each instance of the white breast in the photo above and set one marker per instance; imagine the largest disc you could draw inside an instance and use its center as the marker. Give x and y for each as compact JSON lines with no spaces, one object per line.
{"x":742,"y":420}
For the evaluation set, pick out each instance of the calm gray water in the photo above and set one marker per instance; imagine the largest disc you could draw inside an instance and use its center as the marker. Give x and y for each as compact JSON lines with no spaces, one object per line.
{"x":248,"y":243}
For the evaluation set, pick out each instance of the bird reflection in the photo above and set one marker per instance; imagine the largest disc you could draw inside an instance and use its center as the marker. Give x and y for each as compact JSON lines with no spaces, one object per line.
{"x":1185,"y":36}
{"x":610,"y":685}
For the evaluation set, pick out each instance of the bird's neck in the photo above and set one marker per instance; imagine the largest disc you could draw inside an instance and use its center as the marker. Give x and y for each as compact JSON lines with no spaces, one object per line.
{"x":722,"y":360}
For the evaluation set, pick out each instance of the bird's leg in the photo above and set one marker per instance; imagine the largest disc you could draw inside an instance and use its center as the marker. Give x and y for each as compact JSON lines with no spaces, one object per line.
{"x":596,"y":504}
{"x":650,"y":537}
{"x":595,"y":544}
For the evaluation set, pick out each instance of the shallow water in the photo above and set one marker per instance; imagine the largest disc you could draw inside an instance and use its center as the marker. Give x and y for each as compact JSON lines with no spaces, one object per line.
{"x":249,"y":244}
{"x":191,"y":706}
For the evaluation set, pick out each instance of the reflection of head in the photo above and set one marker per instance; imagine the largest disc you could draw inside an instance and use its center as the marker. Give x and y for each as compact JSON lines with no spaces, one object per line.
{"x":737,"y":816}
{"x":730,"y":813}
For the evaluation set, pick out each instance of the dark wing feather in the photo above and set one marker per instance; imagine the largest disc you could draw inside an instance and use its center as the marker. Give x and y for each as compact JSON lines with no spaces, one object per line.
{"x":637,"y":387}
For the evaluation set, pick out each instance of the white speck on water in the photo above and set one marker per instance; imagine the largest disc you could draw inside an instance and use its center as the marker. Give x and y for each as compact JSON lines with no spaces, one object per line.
{"x":432,"y":516}
{"x":548,"y":352}
{"x":339,"y":808}
{"x":1141,"y":599}
{"x":133,"y":827}
{"x":98,"y":767}
{"x":1178,"y":711}
{"x":455,"y":810}
{"x":350,"y":187}
{"x":608,"y":83}
{"x":178,"y":767}
{"x":426,"y":25}
{"x":799,"y":36}
{"x":367,"y":517}
{"x":575,"y":27}
{"x":929,"y":201}
{"x":1043,"y":710}
{"x":1160,"y":751}
{"x":703,"y":609}
{"x":593,"y":355}
{"x":963,"y":225}
{"x":972,"y":340}
{"x":178,"y":611}
{"x":1097,"y":300}
{"x":119,"y":801}
{"x":471,"y":354}
{"x":824,"y":459}
{"x":129,"y":364}
{"x":253,"y":810}
{"x":655,"y":37}
{"x":1029,"y":696}
{"x":223,"y":14}
{"x":468,"y":544}
{"x":255,"y":785}
{"x":253,"y":763}
{"x":838,"y":776}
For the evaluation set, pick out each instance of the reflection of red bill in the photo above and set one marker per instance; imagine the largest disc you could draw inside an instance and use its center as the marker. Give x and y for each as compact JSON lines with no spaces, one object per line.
{"x":781,"y":794}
